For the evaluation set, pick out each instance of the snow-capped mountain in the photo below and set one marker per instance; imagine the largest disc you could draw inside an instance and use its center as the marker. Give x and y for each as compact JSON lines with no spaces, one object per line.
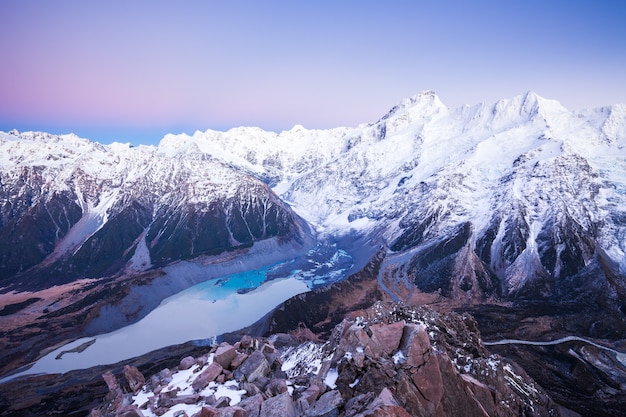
{"x":517,"y":198}
{"x":73,"y":208}
{"x":521,"y":198}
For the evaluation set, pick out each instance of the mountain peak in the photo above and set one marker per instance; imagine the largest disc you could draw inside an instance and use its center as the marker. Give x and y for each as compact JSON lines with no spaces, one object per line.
{"x":533,"y":103}
{"x":423,"y":98}
{"x":527,"y":107}
{"x":422,"y":104}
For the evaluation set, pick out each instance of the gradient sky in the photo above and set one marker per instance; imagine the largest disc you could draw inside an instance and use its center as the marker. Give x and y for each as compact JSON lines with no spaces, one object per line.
{"x":133,"y":70}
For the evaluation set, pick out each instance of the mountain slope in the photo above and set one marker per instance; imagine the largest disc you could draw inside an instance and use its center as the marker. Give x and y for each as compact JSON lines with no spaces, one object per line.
{"x":72,"y":208}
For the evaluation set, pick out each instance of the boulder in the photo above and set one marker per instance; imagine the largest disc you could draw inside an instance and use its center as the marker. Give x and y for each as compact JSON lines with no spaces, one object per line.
{"x":222,"y":402}
{"x":409,"y":396}
{"x":238,"y":360}
{"x":111,"y":381}
{"x":134,"y":378}
{"x":209,"y":374}
{"x":355,"y":338}
{"x":270,"y":353}
{"x":255,"y":366}
{"x":186,"y":363}
{"x":326,"y":406}
{"x":235,"y":411}
{"x":115,"y":397}
{"x":246,"y":342}
{"x":185,"y":399}
{"x":207,"y":412}
{"x":301,"y":405}
{"x":275,"y":387}
{"x":357,"y":404}
{"x":224,"y":355}
{"x":201,"y":361}
{"x":261,"y":382}
{"x":252,"y":405}
{"x":165,"y":376}
{"x":311,"y":393}
{"x":250,"y":388}
{"x":384,"y":398}
{"x":155,"y":383}
{"x":358,"y":358}
{"x":280,"y":405}
{"x":414,"y":344}
{"x":387,"y":336}
{"x":209,"y":399}
{"x":165,"y":400}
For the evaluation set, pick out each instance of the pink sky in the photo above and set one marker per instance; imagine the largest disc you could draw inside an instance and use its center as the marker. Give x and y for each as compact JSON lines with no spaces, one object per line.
{"x":133,"y":71}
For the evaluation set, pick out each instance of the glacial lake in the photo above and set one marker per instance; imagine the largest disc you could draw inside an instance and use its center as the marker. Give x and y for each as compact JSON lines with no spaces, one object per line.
{"x":201,"y":312}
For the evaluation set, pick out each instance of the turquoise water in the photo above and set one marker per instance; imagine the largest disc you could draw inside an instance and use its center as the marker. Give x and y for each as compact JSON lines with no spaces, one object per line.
{"x":322,"y":265}
{"x":219,"y":289}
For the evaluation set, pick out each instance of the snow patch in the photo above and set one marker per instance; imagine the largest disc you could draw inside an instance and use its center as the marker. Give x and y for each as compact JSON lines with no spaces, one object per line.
{"x":141,"y":258}
{"x":303,"y":359}
{"x":330,"y":380}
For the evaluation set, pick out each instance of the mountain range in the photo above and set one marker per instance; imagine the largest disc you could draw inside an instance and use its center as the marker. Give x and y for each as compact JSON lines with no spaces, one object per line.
{"x":514,"y":211}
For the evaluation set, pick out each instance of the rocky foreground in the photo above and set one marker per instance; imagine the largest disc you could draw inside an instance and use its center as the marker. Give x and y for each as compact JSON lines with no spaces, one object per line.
{"x":388,"y":360}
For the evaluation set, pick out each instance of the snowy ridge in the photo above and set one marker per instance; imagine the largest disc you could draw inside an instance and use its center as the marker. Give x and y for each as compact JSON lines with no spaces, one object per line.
{"x":423,"y":170}
{"x":416,"y":175}
{"x":140,"y":201}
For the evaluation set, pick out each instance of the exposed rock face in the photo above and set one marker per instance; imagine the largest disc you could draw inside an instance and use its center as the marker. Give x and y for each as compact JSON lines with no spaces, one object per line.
{"x":588,"y":379}
{"x":134,"y":379}
{"x":438,"y":367}
{"x":390,"y":361}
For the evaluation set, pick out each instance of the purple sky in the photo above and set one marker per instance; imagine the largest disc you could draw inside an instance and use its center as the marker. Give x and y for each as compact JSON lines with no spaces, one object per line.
{"x":135,"y":70}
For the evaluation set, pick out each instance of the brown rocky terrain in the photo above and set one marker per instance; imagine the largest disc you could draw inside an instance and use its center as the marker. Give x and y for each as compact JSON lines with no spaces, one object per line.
{"x":559,"y":369}
{"x":393,"y":360}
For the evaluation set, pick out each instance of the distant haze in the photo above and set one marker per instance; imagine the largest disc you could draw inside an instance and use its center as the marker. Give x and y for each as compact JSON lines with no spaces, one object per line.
{"x":133,"y":71}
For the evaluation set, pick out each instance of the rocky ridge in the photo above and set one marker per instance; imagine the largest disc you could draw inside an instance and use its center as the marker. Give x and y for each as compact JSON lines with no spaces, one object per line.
{"x":389,"y":360}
